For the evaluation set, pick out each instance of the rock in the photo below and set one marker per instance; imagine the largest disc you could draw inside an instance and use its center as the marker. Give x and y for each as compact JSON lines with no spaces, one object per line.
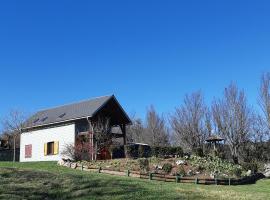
{"x":197,"y":173}
{"x":186,"y":157}
{"x":267,"y":174}
{"x":249,"y":173}
{"x":67,"y":164}
{"x":181,"y":162}
{"x":214,"y":174}
{"x":61,"y":162}
{"x":73,"y":165}
{"x":158,"y":167}
{"x":267,"y":170}
{"x":190,"y":173}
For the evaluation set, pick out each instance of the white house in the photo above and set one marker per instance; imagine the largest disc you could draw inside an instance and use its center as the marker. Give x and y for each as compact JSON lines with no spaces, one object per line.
{"x":47,"y":133}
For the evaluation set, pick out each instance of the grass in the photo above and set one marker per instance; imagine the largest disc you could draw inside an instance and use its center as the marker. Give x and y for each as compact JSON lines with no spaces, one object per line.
{"x":46,"y":180}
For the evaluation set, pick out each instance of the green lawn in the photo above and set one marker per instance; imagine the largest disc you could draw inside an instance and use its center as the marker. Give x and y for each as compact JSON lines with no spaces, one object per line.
{"x":45,"y":180}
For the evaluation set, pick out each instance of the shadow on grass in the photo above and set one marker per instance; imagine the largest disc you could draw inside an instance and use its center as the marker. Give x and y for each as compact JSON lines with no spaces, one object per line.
{"x":31,"y":184}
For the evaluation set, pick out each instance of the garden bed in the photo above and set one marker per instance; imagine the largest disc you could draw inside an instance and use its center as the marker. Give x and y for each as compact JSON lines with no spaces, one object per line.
{"x":157,"y":171}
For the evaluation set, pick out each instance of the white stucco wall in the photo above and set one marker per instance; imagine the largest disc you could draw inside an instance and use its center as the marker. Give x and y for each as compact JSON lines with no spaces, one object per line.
{"x":64,"y":134}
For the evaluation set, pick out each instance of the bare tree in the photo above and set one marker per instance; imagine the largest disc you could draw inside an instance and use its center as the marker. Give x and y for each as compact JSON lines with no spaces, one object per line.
{"x":135,"y":131}
{"x":264,"y":101}
{"x":12,"y":125}
{"x":232,"y":117}
{"x":156,"y":132}
{"x":102,"y":135}
{"x":191,"y":122}
{"x":70,"y":152}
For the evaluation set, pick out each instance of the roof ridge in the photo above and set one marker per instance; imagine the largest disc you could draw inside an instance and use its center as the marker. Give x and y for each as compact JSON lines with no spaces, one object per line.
{"x":77,"y":102}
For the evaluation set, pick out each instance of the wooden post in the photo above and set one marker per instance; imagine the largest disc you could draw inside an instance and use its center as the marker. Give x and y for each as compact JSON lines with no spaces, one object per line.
{"x":177,"y":179}
{"x":229,"y":181}
{"x":128,"y":172}
{"x":196,"y":180}
{"x":216,"y":181}
{"x":123,"y":129}
{"x":82,"y":167}
{"x":91,"y":139}
{"x":150,"y":176}
{"x":99,"y":170}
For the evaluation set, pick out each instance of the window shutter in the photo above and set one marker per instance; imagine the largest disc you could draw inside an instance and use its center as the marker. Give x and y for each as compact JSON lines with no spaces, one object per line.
{"x":45,"y":149}
{"x":28,"y":151}
{"x":56,"y":147}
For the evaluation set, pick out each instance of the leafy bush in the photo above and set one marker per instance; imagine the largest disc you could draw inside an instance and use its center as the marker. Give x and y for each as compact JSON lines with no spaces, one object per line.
{"x":155,"y":151}
{"x":237,"y":172}
{"x":214,"y":164}
{"x":198,"y":152}
{"x":179,"y":151}
{"x":137,"y":151}
{"x":253,"y":166}
{"x":200,"y":168}
{"x":180,"y":171}
{"x":144,"y":164}
{"x":131,"y":151}
{"x":163,"y":152}
{"x":167,"y":167}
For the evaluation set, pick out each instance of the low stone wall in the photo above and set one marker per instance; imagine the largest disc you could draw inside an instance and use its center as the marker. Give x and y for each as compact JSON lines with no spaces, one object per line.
{"x":79,"y":166}
{"x":7,"y":154}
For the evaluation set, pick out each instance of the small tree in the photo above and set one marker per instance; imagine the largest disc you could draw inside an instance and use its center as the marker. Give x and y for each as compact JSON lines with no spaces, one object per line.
{"x":232,"y":117}
{"x":264,"y":101}
{"x":70,"y":152}
{"x":102,"y":135}
{"x":12,"y":125}
{"x":135,"y":132}
{"x":156,"y":132}
{"x":191,"y":122}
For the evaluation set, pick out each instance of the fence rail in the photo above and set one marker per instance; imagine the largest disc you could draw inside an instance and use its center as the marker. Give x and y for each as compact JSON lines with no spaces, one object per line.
{"x":169,"y":178}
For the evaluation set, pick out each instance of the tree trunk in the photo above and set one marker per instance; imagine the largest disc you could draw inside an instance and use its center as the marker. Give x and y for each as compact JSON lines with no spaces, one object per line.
{"x":14,"y":148}
{"x":235,"y":156}
{"x":235,"y":159}
{"x":96,"y":151}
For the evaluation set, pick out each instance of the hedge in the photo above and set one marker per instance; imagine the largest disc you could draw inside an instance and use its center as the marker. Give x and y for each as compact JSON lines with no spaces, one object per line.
{"x":144,"y":151}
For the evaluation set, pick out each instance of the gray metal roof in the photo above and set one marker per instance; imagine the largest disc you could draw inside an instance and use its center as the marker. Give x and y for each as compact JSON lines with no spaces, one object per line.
{"x":67,"y":112}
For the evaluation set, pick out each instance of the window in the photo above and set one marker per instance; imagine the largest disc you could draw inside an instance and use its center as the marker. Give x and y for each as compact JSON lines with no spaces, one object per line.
{"x":51,"y":148}
{"x":62,"y":115}
{"x":28,"y":151}
{"x":44,"y":119}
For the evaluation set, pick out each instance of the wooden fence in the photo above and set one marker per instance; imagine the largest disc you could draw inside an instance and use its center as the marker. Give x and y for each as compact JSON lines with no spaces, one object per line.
{"x":168,"y":178}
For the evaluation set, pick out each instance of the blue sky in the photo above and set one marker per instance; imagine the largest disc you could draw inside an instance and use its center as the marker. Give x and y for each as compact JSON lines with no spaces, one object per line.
{"x":144,"y":52}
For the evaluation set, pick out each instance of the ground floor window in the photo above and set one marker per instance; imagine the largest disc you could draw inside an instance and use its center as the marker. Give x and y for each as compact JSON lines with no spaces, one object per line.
{"x":51,"y":148}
